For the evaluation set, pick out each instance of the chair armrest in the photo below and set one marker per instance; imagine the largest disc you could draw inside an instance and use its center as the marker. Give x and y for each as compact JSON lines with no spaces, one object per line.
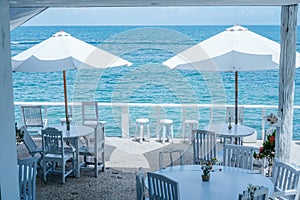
{"x":285,"y":193}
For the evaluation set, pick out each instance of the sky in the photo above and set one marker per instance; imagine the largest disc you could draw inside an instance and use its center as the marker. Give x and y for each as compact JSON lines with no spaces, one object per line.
{"x":226,"y":15}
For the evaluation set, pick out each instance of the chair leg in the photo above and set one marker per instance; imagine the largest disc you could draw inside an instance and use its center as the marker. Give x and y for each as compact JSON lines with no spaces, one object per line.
{"x":141,"y":133}
{"x":63,"y":165}
{"x":103,"y":161}
{"x":44,"y":171}
{"x":96,"y":167}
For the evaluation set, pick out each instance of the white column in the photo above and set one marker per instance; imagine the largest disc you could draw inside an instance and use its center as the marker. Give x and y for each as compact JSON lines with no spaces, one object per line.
{"x":286,"y":81}
{"x":8,"y":155}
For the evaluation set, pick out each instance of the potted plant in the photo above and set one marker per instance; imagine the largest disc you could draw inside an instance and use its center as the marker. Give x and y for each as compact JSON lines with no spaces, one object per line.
{"x":207,"y":168}
{"x":267,"y":151}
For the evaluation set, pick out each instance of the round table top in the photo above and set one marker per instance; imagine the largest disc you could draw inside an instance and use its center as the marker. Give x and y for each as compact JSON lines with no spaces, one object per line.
{"x":237,"y":130}
{"x":225,"y":184}
{"x":75,"y":130}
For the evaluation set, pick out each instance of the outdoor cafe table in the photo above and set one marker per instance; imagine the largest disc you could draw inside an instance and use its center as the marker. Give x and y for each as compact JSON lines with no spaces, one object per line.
{"x":235,"y":133}
{"x":225,"y":184}
{"x":72,"y":136}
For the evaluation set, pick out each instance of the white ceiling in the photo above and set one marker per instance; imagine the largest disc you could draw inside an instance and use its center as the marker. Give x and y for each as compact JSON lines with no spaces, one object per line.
{"x":146,"y":3}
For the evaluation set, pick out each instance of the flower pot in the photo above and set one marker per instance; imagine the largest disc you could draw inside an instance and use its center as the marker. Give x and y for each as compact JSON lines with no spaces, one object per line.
{"x":205,"y":177}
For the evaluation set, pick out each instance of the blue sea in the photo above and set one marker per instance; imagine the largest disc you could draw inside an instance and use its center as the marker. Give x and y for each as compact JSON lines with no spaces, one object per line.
{"x":147,"y":80}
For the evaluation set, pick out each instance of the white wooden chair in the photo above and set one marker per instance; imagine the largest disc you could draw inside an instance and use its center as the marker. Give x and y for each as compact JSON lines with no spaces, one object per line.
{"x":140,"y":185}
{"x":31,"y":145}
{"x":169,"y":157}
{"x":94,"y":150}
{"x":204,"y":146}
{"x":238,"y":156}
{"x":54,"y":153}
{"x":162,"y":187}
{"x":27,"y":168}
{"x":286,"y":181}
{"x":259,"y":193}
{"x":32,"y":117}
{"x":90,"y":115}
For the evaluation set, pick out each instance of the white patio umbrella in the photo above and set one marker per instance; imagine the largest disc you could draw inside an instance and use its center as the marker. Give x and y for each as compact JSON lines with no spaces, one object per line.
{"x":235,"y":49}
{"x":62,"y":52}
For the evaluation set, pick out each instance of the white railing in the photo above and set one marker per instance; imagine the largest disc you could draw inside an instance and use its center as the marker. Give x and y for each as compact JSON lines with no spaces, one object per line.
{"x":124,"y":109}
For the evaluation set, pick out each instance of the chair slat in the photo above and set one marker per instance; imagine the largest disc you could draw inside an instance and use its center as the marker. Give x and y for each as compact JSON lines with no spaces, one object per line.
{"x":238,"y":156}
{"x":204,"y":146}
{"x":162,"y":187}
{"x":285,"y":178}
{"x":27,"y":178}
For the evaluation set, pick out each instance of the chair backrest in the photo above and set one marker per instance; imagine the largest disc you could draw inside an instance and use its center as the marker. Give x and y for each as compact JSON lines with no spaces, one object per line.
{"x":140,"y":185}
{"x":28,"y":141}
{"x":53,"y":143}
{"x":89,"y":113}
{"x":231,"y":110}
{"x":286,"y":178}
{"x":27,"y":178}
{"x":204,"y":146}
{"x":169,"y":157}
{"x":162,"y":187}
{"x":255,"y":193}
{"x":238,"y":156}
{"x":32,"y":116}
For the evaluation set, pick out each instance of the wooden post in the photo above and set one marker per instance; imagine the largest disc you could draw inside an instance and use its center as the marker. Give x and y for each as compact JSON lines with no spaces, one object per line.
{"x":286,"y":81}
{"x":236,"y":97}
{"x":8,"y":154}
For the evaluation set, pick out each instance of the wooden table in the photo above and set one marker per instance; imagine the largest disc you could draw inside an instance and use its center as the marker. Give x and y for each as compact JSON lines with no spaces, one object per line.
{"x":72,"y":136}
{"x":225,"y":184}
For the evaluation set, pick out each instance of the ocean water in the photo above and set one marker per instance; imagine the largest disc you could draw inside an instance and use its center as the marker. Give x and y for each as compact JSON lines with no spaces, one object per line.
{"x":147,"y":80}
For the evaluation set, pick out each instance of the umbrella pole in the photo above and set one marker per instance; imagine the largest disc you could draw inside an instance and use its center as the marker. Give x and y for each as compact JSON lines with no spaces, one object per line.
{"x":66,"y":100}
{"x":236,"y":96}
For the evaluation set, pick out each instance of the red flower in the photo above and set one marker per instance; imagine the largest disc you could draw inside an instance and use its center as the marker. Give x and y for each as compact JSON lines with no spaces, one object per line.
{"x":261,"y":149}
{"x":272,"y":139}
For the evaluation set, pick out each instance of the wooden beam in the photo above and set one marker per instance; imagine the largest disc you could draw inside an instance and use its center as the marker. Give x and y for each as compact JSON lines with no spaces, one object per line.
{"x":147,"y":3}
{"x":286,"y":81}
{"x":8,"y":154}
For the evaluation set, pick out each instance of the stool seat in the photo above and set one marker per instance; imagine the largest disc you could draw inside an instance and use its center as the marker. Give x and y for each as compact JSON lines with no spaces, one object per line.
{"x":142,"y":120}
{"x":93,"y":123}
{"x":140,"y":123}
{"x":166,"y":130}
{"x":191,"y":121}
{"x":166,"y":121}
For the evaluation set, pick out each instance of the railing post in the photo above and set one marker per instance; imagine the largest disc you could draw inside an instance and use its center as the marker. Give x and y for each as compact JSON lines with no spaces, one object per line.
{"x":263,"y":123}
{"x":183,"y":119}
{"x":125,"y":121}
{"x":46,"y":112}
{"x":157,"y":120}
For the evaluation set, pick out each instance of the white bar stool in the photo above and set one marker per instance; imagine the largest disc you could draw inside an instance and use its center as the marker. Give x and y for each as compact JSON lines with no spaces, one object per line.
{"x":191,"y":125}
{"x":166,"y":127}
{"x":141,"y":123}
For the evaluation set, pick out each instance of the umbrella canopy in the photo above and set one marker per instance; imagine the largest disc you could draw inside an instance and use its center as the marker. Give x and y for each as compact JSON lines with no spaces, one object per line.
{"x":235,"y":49}
{"x":62,"y":52}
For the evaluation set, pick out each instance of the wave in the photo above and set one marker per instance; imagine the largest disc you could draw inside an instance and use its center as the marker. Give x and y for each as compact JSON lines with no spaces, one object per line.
{"x":25,"y":42}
